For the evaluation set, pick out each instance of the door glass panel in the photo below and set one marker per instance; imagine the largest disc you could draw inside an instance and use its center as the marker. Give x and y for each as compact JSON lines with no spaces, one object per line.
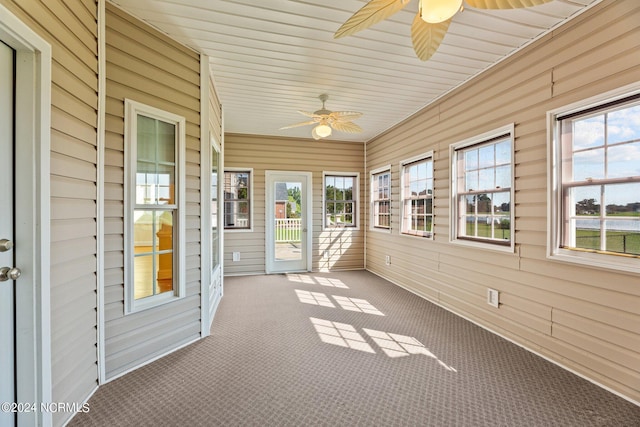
{"x":287,"y":220}
{"x":215,"y":232}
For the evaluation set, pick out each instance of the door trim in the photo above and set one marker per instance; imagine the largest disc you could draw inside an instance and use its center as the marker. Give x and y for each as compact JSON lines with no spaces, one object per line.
{"x":269,"y":214}
{"x":32,"y":225}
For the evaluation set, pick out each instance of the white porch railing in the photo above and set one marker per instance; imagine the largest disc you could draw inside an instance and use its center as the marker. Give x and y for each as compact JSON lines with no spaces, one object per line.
{"x":288,"y":229}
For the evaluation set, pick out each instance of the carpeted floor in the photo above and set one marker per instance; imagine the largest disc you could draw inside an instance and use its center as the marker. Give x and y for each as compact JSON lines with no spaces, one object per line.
{"x":348,"y":349}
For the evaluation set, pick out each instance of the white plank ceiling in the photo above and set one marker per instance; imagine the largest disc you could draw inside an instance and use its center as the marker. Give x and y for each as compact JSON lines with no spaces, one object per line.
{"x":271,"y":58}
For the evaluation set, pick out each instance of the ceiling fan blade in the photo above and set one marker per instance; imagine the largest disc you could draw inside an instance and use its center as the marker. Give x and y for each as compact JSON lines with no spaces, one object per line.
{"x":308,"y":114}
{"x":310,"y":122}
{"x":427,"y":37}
{"x":345,"y":115}
{"x":504,"y":4}
{"x":347,"y":127}
{"x":371,"y":13}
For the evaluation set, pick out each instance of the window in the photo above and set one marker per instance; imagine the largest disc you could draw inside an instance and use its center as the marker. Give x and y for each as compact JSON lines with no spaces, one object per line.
{"x":154,"y":217}
{"x":340,"y":195}
{"x":417,"y":196}
{"x":237,"y":199}
{"x":381,"y":198}
{"x":215,"y":232}
{"x":597,"y":169}
{"x":482,"y":173}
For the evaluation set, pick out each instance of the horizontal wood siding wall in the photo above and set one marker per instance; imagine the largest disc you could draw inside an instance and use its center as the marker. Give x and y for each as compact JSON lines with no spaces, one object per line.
{"x":346,"y":247}
{"x":148,"y":67}
{"x":70,"y":26}
{"x":587,"y":319}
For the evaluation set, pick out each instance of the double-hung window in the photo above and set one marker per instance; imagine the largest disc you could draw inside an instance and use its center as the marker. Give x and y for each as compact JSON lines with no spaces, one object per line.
{"x":340,"y":199}
{"x":237,"y":199}
{"x":154,"y":197}
{"x":381,"y":198}
{"x":417,"y":196}
{"x":596,"y":204}
{"x":482,"y":189}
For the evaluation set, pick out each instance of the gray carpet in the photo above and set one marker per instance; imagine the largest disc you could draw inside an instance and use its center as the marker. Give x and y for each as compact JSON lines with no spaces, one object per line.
{"x":348,"y":349}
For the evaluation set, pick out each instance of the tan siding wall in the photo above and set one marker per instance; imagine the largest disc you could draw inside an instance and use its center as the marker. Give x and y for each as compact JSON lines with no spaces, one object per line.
{"x":145,"y":66}
{"x":587,"y":319}
{"x":71,"y":29}
{"x":346,"y":247}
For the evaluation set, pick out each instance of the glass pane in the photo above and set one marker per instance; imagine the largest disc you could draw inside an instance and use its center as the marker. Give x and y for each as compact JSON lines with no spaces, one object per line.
{"x":288,"y":220}
{"x":623,"y":199}
{"x":166,"y":145}
{"x":624,"y":160}
{"x":588,"y":165}
{"x":588,"y":133}
{"x":484,"y":203}
{"x":471,"y":226}
{"x":146,"y":133}
{"x":153,"y":252}
{"x":471,"y":160}
{"x":471,"y":204}
{"x":502,"y":228}
{"x":501,"y":203}
{"x":215,"y":232}
{"x":143,"y":272}
{"x":144,"y":229}
{"x":587,"y":200}
{"x":471,"y":181}
{"x":587,"y":234}
{"x":422,"y":170}
{"x":623,"y":236}
{"x":155,"y":177}
{"x":503,"y":176}
{"x":623,"y":125}
{"x":484,"y":226}
{"x":487,"y":179}
{"x":486,"y":156}
{"x":503,"y":152}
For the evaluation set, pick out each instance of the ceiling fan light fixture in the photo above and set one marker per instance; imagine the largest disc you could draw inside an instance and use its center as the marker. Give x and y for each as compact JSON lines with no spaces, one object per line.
{"x":323,"y":130}
{"x":436,"y":11}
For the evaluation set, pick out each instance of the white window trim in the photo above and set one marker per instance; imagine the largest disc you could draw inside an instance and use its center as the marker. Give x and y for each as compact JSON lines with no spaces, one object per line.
{"x":251,"y":200}
{"x":554,"y":196}
{"x":453,"y":210}
{"x":372,"y":173}
{"x":424,"y":156}
{"x":356,"y":214}
{"x":132,"y":109}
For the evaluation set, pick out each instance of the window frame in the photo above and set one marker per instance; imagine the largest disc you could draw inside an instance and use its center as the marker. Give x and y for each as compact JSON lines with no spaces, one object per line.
{"x":478,"y":140}
{"x":602,"y":103}
{"x":428,"y":156}
{"x":372,"y":179}
{"x":250,"y":190}
{"x":132,"y":110}
{"x":355,"y":199}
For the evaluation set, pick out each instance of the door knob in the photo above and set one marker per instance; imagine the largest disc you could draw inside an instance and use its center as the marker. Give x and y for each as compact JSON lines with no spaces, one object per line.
{"x":5,"y":245}
{"x":7,"y":273}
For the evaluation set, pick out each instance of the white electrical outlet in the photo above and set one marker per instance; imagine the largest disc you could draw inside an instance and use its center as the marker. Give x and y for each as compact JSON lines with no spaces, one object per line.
{"x":493,"y":297}
{"x":387,"y":260}
{"x":236,"y":256}
{"x":325,"y":255}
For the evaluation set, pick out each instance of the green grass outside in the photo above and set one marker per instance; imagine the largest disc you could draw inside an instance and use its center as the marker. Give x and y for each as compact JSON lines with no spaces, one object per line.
{"x":625,"y":242}
{"x":290,"y":235}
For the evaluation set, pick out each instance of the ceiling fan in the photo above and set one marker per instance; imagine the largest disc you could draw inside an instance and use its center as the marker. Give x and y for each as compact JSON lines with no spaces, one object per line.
{"x":430,"y":24}
{"x":326,"y":120}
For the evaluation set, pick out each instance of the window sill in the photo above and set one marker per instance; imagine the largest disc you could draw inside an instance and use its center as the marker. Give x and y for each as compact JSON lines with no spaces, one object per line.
{"x":478,"y":244}
{"x":418,"y":236}
{"x":621,"y":263}
{"x":153,"y":301}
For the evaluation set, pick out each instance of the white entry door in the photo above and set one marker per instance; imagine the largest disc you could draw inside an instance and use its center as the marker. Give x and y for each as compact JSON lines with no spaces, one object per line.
{"x":288,"y":221}
{"x":7,"y":284}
